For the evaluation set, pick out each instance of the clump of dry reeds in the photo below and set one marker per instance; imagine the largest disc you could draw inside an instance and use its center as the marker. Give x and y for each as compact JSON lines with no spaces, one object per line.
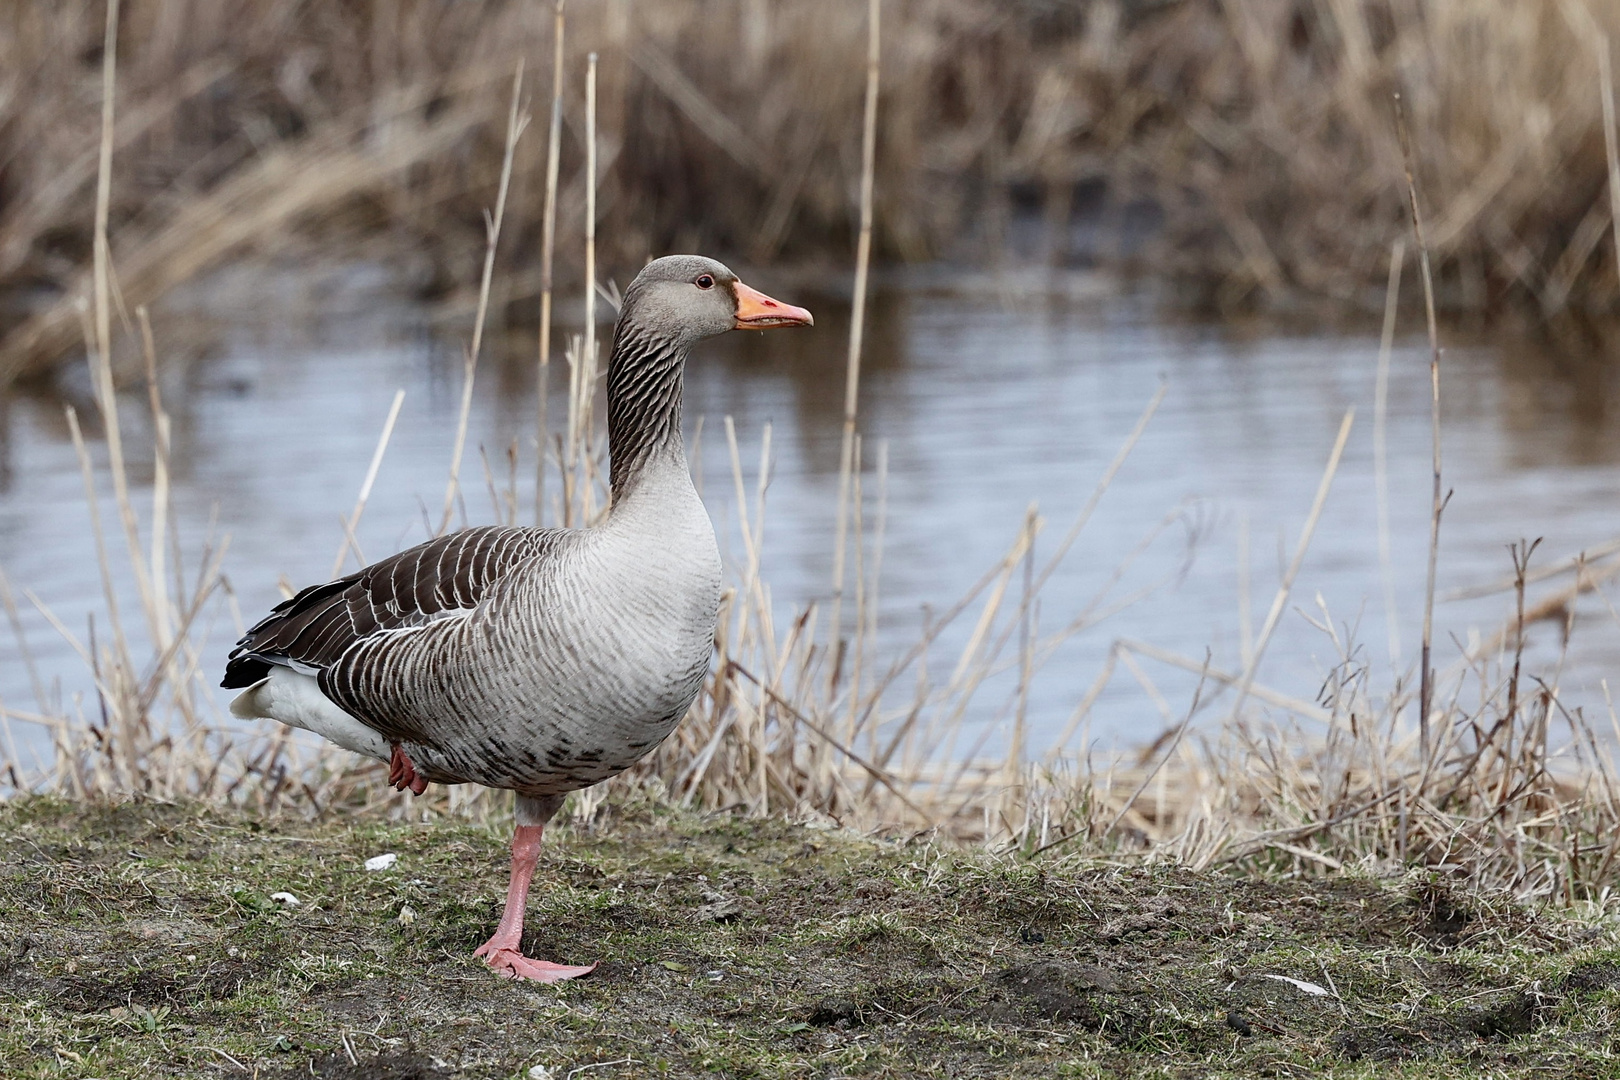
{"x":1263,"y":131}
{"x":1514,"y":790}
{"x":1284,"y":164}
{"x":802,"y":716}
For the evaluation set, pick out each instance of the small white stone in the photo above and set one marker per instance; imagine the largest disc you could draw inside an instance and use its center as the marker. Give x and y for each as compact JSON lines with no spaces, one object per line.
{"x":540,"y":1072}
{"x":382,"y":862}
{"x":285,"y":898}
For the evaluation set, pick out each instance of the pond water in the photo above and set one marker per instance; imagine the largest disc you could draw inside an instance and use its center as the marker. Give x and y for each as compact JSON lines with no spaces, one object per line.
{"x":987,"y":394}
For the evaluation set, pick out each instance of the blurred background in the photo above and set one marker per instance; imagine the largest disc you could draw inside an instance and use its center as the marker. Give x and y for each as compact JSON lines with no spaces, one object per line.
{"x":1076,"y":204}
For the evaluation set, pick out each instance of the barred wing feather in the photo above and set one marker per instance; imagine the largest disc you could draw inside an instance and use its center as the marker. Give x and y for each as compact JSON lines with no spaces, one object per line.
{"x":441,"y":578}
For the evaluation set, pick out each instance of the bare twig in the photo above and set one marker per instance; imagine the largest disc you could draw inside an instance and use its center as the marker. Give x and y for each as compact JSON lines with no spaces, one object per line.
{"x":1521,"y":552}
{"x":1582,"y":560}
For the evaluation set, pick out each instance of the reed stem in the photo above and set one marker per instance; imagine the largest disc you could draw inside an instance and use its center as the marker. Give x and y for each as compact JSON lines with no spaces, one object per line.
{"x":160,"y":477}
{"x":548,"y":251}
{"x":857,"y":324}
{"x":587,"y":360}
{"x":1438,"y":504}
{"x":1386,"y":344}
{"x":101,"y":353}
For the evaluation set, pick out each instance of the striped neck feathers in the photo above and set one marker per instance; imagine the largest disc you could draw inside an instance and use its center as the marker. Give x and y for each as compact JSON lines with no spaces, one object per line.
{"x":644,"y":384}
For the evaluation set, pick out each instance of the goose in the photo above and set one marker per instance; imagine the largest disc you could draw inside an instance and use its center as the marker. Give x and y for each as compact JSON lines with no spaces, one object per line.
{"x":536,"y":660}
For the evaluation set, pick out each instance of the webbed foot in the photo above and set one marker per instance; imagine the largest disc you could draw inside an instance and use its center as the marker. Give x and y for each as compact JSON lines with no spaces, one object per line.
{"x":507,"y":961}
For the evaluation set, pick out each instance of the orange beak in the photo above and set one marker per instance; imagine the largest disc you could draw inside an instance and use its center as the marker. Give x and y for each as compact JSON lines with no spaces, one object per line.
{"x":756,"y":311}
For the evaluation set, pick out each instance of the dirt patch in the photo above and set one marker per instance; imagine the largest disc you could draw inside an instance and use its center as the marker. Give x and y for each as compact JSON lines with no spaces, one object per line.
{"x":1055,"y":992}
{"x":834,"y":1010}
{"x":738,"y":947}
{"x":381,"y":1067}
{"x":1059,"y":991}
{"x":1438,"y":1035}
{"x":1441,"y":916}
{"x":149,"y":989}
{"x":1593,"y":978}
{"x":1155,"y":913}
{"x":1519,"y":1016}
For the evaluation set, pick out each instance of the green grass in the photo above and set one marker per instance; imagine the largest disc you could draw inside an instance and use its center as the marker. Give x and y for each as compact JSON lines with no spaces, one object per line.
{"x":141,"y":940}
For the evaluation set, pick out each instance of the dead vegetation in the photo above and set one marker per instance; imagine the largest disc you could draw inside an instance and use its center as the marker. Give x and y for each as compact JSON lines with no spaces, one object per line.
{"x":1262,"y":132}
{"x":802,"y":716}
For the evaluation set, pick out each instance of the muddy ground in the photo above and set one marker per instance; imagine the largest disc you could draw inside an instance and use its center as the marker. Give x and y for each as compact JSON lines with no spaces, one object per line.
{"x":143,"y":940}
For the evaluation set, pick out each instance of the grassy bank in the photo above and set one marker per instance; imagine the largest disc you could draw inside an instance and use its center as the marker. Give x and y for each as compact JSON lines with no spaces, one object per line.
{"x":143,"y":939}
{"x":1263,"y":132}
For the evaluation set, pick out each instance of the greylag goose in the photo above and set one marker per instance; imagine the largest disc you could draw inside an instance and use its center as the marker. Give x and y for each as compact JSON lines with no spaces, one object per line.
{"x":537,"y":660}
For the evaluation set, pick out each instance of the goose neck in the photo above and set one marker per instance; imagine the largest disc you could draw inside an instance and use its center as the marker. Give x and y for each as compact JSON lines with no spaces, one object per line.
{"x":644,"y":385}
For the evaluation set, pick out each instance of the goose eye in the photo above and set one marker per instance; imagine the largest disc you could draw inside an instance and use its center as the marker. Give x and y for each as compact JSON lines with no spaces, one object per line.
{"x":704,"y":281}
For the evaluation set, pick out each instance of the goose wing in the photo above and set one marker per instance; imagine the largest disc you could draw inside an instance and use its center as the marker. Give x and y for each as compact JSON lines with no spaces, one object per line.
{"x":441,"y":578}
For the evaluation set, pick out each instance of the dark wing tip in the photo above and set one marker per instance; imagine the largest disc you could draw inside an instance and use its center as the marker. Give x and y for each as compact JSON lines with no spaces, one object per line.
{"x":243,"y":671}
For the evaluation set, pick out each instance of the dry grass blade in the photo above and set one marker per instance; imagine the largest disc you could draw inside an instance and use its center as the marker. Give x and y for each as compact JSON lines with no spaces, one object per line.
{"x":1207,"y":672}
{"x":1280,"y":601}
{"x":1386,"y":344}
{"x":353,"y":521}
{"x":1175,"y":742}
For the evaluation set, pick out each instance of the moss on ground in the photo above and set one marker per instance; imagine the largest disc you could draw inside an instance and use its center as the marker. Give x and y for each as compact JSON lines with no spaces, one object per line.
{"x":143,"y":940}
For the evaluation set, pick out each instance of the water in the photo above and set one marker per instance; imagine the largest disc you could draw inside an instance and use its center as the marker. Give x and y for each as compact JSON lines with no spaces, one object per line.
{"x":988,"y":395}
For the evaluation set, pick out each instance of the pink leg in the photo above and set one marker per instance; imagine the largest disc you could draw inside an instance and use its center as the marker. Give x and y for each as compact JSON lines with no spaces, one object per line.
{"x":502,"y":950}
{"x":402,"y":774}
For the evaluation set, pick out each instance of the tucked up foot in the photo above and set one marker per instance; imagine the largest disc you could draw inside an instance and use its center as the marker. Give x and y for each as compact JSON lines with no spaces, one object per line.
{"x":506,"y":960}
{"x":402,"y":774}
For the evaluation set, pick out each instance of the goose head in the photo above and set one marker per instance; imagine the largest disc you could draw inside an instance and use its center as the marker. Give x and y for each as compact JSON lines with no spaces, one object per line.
{"x":686,"y":298}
